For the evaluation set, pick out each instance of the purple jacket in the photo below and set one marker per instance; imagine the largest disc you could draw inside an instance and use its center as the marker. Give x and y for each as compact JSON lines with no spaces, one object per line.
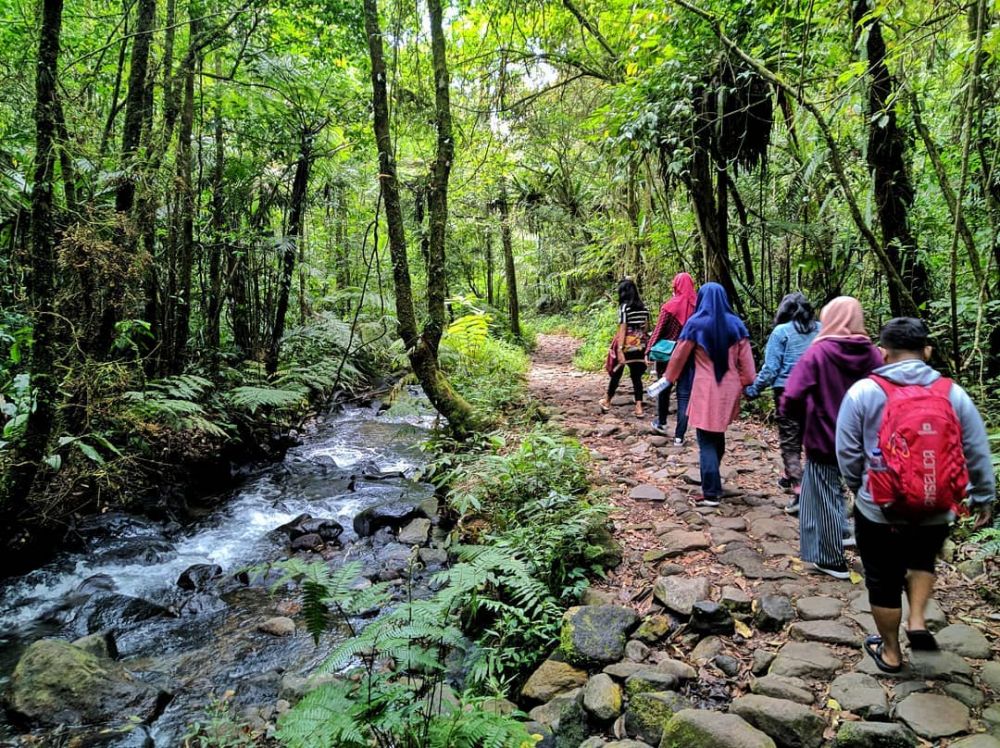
{"x":817,"y":385}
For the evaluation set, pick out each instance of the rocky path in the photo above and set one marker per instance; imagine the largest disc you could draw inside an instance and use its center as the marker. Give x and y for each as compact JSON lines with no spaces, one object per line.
{"x":712,"y":634}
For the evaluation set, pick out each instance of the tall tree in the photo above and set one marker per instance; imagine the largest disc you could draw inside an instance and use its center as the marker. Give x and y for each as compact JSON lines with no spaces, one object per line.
{"x":510,"y":270}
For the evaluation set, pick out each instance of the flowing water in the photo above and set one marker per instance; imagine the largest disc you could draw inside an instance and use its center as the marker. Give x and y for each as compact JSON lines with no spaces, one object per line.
{"x":197,"y":645}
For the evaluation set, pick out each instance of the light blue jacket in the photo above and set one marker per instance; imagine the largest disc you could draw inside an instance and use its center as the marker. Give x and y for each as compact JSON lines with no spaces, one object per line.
{"x":857,"y":436}
{"x":784,"y":348}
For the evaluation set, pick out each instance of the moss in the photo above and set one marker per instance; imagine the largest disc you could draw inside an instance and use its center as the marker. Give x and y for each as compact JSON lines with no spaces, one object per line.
{"x":648,"y":714}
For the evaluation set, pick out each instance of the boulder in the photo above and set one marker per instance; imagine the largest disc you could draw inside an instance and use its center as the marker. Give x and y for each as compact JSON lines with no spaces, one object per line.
{"x":548,"y":713}
{"x":772,"y":612}
{"x":932,"y":716}
{"x":860,"y":694}
{"x":646,"y":492}
{"x":752,"y":564}
{"x":677,"y":542}
{"x":818,"y":608}
{"x":873,"y":735}
{"x":329,"y":530}
{"x":551,"y":678}
{"x":729,"y":666}
{"x":939,"y":665}
{"x":990,"y":675}
{"x":648,"y":714}
{"x":572,"y":728}
{"x":654,"y":627}
{"x":395,"y":515}
{"x":624,"y":670}
{"x":801,"y":660}
{"x":736,"y":600}
{"x":102,"y":645}
{"x":781,"y":687}
{"x":278,"y":626}
{"x":680,"y":670}
{"x":118,"y":612}
{"x":964,"y":640}
{"x":602,"y":697}
{"x":56,"y":683}
{"x":977,"y":741}
{"x":969,"y":695}
{"x":594,"y":635}
{"x":645,"y":681}
{"x":829,"y":632}
{"x":416,"y":532}
{"x":636,"y":651}
{"x":709,"y":618}
{"x":762,"y":660}
{"x":310,"y":542}
{"x":790,"y":724}
{"x":198,"y":577}
{"x":707,"y":650}
{"x":679,"y":594}
{"x":696,"y":728}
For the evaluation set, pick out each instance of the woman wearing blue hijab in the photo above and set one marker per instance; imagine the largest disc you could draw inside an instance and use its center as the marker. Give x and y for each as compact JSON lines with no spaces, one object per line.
{"x":723,"y":365}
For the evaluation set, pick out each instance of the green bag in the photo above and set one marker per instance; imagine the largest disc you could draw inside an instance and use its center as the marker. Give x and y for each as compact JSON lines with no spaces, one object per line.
{"x":662,"y":351}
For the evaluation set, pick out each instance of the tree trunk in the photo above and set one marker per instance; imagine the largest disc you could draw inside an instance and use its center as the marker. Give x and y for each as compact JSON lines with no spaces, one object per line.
{"x":510,"y":271}
{"x":213,"y":309}
{"x":31,"y":449}
{"x":423,"y":357}
{"x":489,"y":267}
{"x":886,"y":159}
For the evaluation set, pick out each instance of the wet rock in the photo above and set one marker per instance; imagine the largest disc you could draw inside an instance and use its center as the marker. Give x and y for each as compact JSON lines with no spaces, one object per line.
{"x":199,"y":576}
{"x":801,"y":660}
{"x":730,"y":666}
{"x":860,"y":694}
{"x":294,"y":687}
{"x":782,"y":687}
{"x":636,"y":651}
{"x":595,"y":635}
{"x":789,"y":723}
{"x":677,"y":542}
{"x":696,"y":728}
{"x":119,"y":612}
{"x":772,"y":612}
{"x":416,"y":532}
{"x":710,"y":618}
{"x":762,"y":660}
{"x":990,"y":675}
{"x":551,"y":678}
{"x":873,"y":735}
{"x":970,"y":696}
{"x":648,"y":714}
{"x":736,"y":600}
{"x":277,"y":626}
{"x":102,"y":645}
{"x":933,"y":716}
{"x":57,"y":683}
{"x":648,"y":680}
{"x":602,"y":697}
{"x":829,"y":632}
{"x":679,"y":594}
{"x":395,"y":515}
{"x":654,"y":627}
{"x":964,"y":640}
{"x":818,"y":608}
{"x":200,"y":604}
{"x":393,"y":562}
{"x":646,"y":492}
{"x":98,"y":584}
{"x":310,"y":542}
{"x":707,"y":649}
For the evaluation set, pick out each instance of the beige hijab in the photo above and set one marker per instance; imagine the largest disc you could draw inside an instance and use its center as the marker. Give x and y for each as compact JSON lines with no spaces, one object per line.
{"x":842,"y":318}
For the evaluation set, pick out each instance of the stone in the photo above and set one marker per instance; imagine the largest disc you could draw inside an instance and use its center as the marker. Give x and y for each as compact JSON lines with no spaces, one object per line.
{"x":593,"y":742}
{"x":548,"y":713}
{"x":551,"y":678}
{"x":736,"y":600}
{"x":198,"y":576}
{"x":56,"y":683}
{"x":102,"y":645}
{"x":964,"y":640}
{"x":991,"y":716}
{"x":624,"y":670}
{"x":680,"y":670}
{"x":772,"y":612}
{"x":970,"y":696}
{"x":416,"y":532}
{"x":780,"y":529}
{"x":977,"y":741}
{"x":650,"y":680}
{"x":971,"y":569}
{"x":654,"y":555}
{"x":679,"y":594}
{"x":801,"y":660}
{"x":737,"y":524}
{"x":873,"y":735}
{"x":294,"y":687}
{"x":818,"y":608}
{"x":990,"y":675}
{"x":692,"y":477}
{"x":946,"y":666}
{"x":499,"y":706}
{"x":901,"y":690}
{"x":829,"y":632}
{"x":572,"y":727}
{"x":728,"y":538}
{"x":697,"y":728}
{"x":728,"y":665}
{"x":636,"y":651}
{"x":934,"y":615}
{"x":752,"y":564}
{"x":762,"y":660}
{"x":932,"y":716}
{"x":602,"y":697}
{"x":593,"y":596}
{"x":709,"y":618}
{"x":860,"y":694}
{"x":433,"y":558}
{"x":277,"y":626}
{"x":646,"y":492}
{"x":310,"y":542}
{"x":790,"y":724}
{"x":394,"y":515}
{"x":677,"y":542}
{"x":595,"y":635}
{"x":778,"y":549}
{"x":648,"y":713}
{"x":781,"y":687}
{"x":707,"y":649}
{"x":627,"y":744}
{"x":605,"y":550}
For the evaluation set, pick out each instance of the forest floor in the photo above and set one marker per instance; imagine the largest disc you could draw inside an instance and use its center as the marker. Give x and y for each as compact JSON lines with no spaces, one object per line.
{"x":798,"y":633}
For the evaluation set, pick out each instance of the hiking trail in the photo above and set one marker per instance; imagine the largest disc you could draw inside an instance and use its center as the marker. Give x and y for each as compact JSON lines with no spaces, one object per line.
{"x":766,"y":638}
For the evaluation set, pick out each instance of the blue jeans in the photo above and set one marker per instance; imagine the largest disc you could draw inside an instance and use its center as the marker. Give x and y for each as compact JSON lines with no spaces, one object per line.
{"x":711,"y":448}
{"x":683,"y":388}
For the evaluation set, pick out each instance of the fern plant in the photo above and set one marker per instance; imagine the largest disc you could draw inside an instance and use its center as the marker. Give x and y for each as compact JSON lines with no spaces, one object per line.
{"x":175,"y":402}
{"x":988,"y":540}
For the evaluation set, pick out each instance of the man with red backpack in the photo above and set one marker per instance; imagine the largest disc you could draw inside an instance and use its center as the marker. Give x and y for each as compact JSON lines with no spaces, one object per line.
{"x":913,"y":448}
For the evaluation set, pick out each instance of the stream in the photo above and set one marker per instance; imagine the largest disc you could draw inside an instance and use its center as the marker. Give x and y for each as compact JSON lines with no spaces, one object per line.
{"x":198,"y":645}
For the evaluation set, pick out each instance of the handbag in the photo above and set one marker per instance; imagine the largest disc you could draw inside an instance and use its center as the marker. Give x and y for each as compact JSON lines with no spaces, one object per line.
{"x":662,"y":351}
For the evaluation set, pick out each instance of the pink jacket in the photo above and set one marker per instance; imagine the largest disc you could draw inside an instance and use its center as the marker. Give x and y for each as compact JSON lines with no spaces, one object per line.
{"x":714,"y":405}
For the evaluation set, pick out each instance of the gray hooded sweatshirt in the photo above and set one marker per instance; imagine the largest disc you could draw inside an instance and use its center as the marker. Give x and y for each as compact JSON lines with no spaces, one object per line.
{"x":857,"y":436}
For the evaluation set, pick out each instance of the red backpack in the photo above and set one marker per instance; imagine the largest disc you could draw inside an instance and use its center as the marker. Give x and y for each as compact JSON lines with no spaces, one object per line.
{"x":924,"y":470}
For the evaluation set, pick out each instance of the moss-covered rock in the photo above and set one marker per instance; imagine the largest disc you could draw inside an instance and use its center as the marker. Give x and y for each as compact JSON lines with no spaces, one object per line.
{"x":696,"y":728}
{"x":603,"y":549}
{"x":647,"y":714}
{"x":873,"y":735}
{"x":602,"y":697}
{"x":551,"y":678}
{"x":595,"y":635}
{"x":58,"y":683}
{"x":654,"y":627}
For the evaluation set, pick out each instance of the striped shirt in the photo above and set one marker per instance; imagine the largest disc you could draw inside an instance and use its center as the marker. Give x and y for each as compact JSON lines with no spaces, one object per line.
{"x":632,"y":316}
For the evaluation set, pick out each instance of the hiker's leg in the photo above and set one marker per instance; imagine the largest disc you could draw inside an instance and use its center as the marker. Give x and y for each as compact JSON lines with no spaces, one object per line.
{"x":885,"y":574}
{"x":923,"y":543}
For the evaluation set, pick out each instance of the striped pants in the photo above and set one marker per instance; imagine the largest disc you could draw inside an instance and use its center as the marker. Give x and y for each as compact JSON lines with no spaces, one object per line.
{"x":822,"y":515}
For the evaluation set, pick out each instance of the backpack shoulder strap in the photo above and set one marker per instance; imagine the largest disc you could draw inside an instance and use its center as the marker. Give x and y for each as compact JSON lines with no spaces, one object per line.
{"x":887,"y":386}
{"x":942,"y":387}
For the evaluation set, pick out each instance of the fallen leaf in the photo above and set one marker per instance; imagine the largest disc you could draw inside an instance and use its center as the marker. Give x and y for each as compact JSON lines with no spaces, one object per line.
{"x":743,"y":630}
{"x":833,"y":704}
{"x":855,"y":577}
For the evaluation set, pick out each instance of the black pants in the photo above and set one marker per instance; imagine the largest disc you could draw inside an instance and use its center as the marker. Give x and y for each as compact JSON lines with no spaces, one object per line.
{"x":636,"y":369}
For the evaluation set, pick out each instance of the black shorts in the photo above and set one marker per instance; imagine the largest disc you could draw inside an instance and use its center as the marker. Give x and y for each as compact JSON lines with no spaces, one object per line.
{"x":888,"y":552}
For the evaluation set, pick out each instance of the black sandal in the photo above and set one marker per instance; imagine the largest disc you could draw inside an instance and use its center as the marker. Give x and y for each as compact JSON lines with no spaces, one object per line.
{"x":921,"y":640}
{"x":873,"y":646}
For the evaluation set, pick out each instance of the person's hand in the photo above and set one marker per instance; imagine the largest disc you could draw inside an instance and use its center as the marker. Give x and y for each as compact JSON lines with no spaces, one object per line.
{"x":984,"y":515}
{"x":750,"y":392}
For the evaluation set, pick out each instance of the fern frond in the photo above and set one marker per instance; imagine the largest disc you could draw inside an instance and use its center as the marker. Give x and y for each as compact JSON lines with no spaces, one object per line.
{"x":253,"y":398}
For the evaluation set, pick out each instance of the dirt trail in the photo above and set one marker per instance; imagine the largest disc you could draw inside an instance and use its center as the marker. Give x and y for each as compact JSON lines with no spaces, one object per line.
{"x":745,"y":554}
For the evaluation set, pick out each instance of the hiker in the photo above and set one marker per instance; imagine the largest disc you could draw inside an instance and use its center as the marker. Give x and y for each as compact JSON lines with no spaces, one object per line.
{"x":628,"y":347}
{"x":795,"y":328}
{"x":673,"y":314}
{"x":840,"y":355}
{"x":906,"y":498}
{"x":719,"y":343}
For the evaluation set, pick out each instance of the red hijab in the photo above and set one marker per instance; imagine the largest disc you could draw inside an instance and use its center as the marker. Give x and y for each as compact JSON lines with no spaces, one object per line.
{"x":682,"y":303}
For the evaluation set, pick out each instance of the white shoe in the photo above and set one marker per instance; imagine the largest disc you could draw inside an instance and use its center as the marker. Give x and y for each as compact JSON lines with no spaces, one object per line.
{"x":678,"y":442}
{"x":850,"y":541}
